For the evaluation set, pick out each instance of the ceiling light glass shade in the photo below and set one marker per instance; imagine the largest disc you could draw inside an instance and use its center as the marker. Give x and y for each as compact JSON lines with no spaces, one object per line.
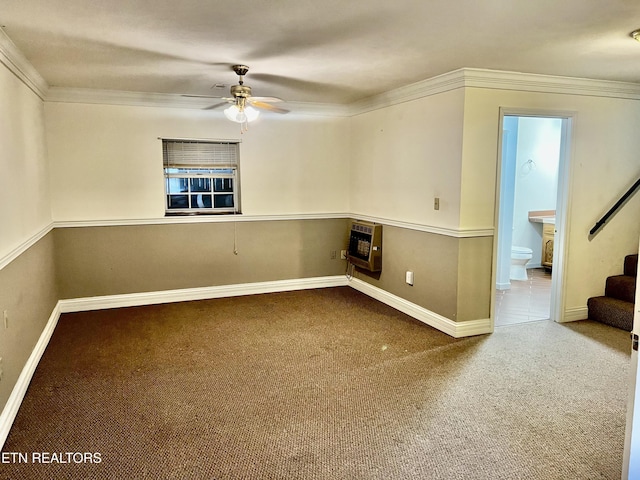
{"x":248,"y":114}
{"x":636,"y":34}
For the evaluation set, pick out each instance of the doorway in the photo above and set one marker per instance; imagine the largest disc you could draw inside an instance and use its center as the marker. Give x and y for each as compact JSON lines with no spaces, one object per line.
{"x":530,"y":217}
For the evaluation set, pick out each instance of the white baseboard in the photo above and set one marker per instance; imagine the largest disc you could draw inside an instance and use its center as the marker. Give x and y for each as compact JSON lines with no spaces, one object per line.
{"x":574,"y":314}
{"x":202,"y":293}
{"x":445,"y":325}
{"x":12,"y":406}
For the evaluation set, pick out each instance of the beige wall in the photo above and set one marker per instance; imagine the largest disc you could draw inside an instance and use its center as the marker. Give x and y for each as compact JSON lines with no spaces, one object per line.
{"x":106,"y":160}
{"x":27,"y":276}
{"x":24,"y":188}
{"x":94,"y":261}
{"x":389,"y":163}
{"x":386,"y":164}
{"x":405,"y":155}
{"x":604,"y":163}
{"x":71,"y":162}
{"x":446,"y":145}
{"x":103,"y":162}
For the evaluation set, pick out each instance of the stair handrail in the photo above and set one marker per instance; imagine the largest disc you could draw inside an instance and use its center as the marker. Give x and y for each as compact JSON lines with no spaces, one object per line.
{"x":615,"y":208}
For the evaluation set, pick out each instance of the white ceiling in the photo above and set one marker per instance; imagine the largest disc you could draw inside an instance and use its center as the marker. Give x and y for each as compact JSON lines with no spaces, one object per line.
{"x":327,"y":51}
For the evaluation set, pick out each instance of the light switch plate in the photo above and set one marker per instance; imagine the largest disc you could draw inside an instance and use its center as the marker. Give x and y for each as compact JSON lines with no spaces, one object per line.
{"x":409,"y":278}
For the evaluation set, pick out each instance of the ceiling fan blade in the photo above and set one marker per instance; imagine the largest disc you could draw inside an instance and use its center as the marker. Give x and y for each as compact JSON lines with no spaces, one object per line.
{"x":213,"y":97}
{"x":267,"y":106}
{"x":198,"y":96}
{"x":211,"y":107}
{"x":267,"y":99}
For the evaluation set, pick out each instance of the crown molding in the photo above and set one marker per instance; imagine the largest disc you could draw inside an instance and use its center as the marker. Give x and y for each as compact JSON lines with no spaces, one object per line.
{"x":530,"y":82}
{"x":462,"y":78}
{"x":169,"y":100}
{"x":499,"y":80}
{"x":18,"y":64}
{"x":116,"y":97}
{"x":431,"y":86}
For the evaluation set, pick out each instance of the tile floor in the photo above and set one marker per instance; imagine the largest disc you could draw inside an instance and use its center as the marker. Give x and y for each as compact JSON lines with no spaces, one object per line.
{"x":525,"y":301}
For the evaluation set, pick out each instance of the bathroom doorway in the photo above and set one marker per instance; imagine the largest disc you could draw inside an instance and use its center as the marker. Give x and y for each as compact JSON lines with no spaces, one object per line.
{"x":532,"y":195}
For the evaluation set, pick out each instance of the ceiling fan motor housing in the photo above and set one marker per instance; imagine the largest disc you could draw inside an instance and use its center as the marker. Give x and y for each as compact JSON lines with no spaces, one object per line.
{"x":240,"y":91}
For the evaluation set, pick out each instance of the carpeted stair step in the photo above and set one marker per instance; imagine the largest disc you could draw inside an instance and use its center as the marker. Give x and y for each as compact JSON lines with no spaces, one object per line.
{"x":622,"y":287}
{"x":611,"y":311}
{"x":631,"y":265}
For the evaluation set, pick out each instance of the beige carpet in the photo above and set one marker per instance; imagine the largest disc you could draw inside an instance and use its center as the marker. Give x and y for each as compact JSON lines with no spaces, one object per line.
{"x":319,"y":384}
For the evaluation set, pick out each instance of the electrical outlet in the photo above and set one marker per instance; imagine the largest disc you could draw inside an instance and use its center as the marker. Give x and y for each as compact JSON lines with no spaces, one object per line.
{"x":343,"y":254}
{"x":334,"y":254}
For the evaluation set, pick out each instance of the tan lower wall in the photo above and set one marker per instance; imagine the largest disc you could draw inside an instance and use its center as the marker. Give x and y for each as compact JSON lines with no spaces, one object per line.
{"x":28,"y":294}
{"x":94,"y":261}
{"x":452,"y":276}
{"x":474,"y":278}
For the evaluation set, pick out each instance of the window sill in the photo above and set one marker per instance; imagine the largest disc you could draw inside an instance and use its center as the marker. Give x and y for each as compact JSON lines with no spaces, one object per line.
{"x":196,"y":214}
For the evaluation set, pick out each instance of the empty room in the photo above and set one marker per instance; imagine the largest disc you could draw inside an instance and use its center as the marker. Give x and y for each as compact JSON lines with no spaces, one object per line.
{"x":318,"y":240}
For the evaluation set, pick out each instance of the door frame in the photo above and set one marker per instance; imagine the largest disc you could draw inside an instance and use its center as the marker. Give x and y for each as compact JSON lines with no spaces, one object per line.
{"x":563,"y":207}
{"x":631,"y":455}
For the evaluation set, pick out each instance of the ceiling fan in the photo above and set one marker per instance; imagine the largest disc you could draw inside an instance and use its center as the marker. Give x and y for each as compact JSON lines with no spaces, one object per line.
{"x":242,"y":102}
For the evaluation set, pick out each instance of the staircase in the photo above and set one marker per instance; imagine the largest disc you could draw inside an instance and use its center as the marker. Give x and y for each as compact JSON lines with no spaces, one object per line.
{"x":617,"y":305}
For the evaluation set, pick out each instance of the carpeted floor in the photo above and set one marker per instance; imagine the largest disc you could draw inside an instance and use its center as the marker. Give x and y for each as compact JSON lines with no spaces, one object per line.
{"x":319,"y":384}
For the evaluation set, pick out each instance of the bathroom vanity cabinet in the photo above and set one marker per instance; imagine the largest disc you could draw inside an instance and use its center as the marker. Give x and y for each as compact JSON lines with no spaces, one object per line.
{"x":548,"y":220}
{"x":548,"y":232}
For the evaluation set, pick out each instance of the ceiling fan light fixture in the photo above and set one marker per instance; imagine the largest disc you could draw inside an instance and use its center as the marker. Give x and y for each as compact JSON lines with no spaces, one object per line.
{"x":251,"y":113}
{"x":242,"y":109}
{"x":635,"y":35}
{"x":241,"y":115}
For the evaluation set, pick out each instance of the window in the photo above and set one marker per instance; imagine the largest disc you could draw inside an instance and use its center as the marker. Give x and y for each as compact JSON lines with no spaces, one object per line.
{"x":200,"y":176}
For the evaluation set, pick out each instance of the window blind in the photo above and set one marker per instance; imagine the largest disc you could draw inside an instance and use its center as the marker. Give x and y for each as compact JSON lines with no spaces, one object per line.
{"x":193,"y":153}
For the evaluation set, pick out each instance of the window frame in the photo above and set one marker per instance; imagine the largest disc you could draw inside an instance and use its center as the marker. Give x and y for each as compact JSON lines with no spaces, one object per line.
{"x":209,"y":160}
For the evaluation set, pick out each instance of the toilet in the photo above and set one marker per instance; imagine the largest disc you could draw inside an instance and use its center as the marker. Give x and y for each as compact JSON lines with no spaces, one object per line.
{"x":520,"y":256}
